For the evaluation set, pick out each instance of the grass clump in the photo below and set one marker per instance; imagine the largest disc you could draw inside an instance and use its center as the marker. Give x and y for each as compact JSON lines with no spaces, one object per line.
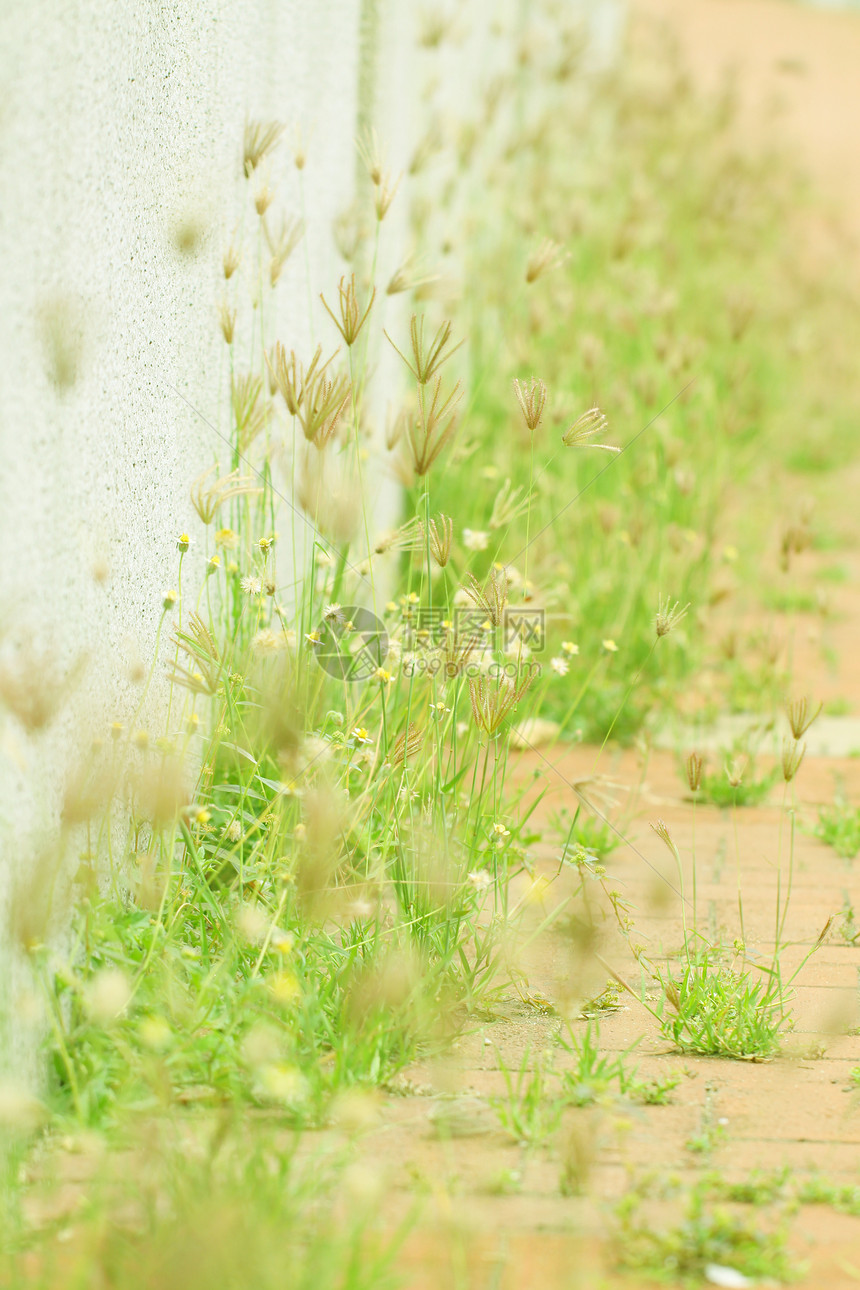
{"x":717,"y":1011}
{"x":710,"y":1236}
{"x":839,"y":826}
{"x":221,"y":1203}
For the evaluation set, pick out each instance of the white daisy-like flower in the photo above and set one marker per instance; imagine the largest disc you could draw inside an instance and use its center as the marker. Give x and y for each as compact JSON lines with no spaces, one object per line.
{"x":568,"y":647}
{"x":251,"y":586}
{"x":475,"y":539}
{"x":560,"y":666}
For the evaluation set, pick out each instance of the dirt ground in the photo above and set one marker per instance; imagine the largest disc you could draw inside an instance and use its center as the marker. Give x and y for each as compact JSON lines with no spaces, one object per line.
{"x":492,"y":1214}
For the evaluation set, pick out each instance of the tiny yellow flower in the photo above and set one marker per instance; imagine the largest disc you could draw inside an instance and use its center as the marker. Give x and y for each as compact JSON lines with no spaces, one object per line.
{"x":284,"y":988}
{"x":568,"y":647}
{"x":281,"y":942}
{"x":312,"y":638}
{"x":610,"y":647}
{"x":183,"y":542}
{"x":169,"y":599}
{"x":226,"y":538}
{"x":360,"y":735}
{"x":382,"y":675}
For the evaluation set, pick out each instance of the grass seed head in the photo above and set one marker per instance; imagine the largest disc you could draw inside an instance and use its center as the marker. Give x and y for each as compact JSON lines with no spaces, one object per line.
{"x":230,"y":261}
{"x":694,"y":766}
{"x":668,"y":616}
{"x":351,"y":319}
{"x":282,"y":242}
{"x":792,"y":756}
{"x":798,"y":712}
{"x":585,"y":428}
{"x":207,"y":499}
{"x":260,"y":138}
{"x":440,"y":538}
{"x":433,"y":428}
{"x":227,"y":319}
{"x":547,"y":257}
{"x":427,"y":359}
{"x":531,"y":396}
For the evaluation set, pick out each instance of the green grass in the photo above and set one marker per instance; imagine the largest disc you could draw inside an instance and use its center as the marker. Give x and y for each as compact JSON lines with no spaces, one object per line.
{"x":715,"y":1011}
{"x":726,"y":790}
{"x":709,"y":1233}
{"x":839,"y":827}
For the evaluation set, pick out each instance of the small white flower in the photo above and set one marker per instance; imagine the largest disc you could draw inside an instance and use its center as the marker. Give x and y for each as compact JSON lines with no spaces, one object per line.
{"x":475,"y":539}
{"x":251,"y":586}
{"x":480,"y":880}
{"x":560,"y":666}
{"x":568,"y":647}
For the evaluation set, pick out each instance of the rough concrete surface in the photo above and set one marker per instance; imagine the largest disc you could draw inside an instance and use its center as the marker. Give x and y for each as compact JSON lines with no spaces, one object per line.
{"x":120,"y":169}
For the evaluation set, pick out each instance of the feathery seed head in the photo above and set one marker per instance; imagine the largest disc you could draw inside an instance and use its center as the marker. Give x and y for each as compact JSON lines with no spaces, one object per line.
{"x":668,"y":616}
{"x":694,"y":766}
{"x":531,"y":396}
{"x":584,"y":429}
{"x":798,"y":712}
{"x":259,"y":140}
{"x":549,"y":255}
{"x":351,"y":319}
{"x":440,"y":538}
{"x":792,"y":755}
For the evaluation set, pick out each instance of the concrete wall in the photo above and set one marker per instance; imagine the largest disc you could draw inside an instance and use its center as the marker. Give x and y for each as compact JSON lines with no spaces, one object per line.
{"x":121,"y":180}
